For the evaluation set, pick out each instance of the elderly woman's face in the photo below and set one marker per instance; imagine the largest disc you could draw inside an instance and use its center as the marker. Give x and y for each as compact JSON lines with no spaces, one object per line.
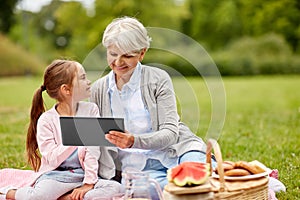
{"x":123,"y":63}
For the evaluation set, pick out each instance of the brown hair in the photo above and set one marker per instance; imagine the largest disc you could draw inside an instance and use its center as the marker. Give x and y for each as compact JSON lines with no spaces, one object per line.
{"x":59,"y":72}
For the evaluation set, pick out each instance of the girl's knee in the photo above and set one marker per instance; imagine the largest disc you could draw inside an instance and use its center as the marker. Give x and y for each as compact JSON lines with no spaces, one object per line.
{"x":103,"y":188}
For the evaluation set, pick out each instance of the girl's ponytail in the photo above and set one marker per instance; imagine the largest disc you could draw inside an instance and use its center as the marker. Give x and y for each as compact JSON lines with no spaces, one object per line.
{"x":37,"y":108}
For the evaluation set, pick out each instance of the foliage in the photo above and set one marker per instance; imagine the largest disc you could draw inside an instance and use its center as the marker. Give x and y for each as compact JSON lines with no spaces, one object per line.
{"x":67,"y":29}
{"x":218,"y":22}
{"x":213,"y":23}
{"x":81,"y":30}
{"x":267,"y":54}
{"x":36,"y":32}
{"x":16,"y":61}
{"x":281,"y":17}
{"x":262,"y":121}
{"x":6,"y":14}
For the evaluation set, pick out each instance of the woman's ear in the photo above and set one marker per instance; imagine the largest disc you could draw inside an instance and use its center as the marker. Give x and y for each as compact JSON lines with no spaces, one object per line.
{"x":142,"y":54}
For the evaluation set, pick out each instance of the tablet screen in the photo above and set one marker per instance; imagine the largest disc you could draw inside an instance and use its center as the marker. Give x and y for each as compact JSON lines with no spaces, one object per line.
{"x":88,"y":131}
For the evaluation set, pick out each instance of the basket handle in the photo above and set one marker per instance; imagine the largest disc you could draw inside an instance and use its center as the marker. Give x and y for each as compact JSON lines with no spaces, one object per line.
{"x":213,"y":144}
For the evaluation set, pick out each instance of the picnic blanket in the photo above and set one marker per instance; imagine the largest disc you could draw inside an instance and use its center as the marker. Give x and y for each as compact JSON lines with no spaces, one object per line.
{"x":19,"y":178}
{"x":15,"y":177}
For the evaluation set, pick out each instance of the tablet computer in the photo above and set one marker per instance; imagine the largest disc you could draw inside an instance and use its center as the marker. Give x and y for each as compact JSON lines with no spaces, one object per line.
{"x":88,"y":131}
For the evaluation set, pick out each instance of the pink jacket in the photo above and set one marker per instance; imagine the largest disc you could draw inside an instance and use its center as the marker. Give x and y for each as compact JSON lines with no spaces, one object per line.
{"x":54,"y":152}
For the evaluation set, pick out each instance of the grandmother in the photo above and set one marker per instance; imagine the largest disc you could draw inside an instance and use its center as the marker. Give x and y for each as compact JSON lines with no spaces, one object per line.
{"x":155,"y":139}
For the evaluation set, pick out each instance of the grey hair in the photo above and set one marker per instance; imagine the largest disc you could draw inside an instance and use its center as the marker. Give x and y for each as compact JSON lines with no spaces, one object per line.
{"x":127,"y":34}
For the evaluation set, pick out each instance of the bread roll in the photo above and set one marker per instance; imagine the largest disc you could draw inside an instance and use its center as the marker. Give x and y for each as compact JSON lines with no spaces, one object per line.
{"x":252,"y":168}
{"x":242,"y":168}
{"x":228,"y":165}
{"x":259,"y":167}
{"x":237,"y":172}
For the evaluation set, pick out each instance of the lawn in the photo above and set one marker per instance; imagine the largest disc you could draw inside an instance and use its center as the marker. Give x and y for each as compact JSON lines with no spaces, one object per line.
{"x":262,"y":120}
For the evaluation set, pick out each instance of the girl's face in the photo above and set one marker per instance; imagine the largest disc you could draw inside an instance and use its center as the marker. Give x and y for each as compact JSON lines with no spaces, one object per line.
{"x":81,"y":85}
{"x":123,"y":63}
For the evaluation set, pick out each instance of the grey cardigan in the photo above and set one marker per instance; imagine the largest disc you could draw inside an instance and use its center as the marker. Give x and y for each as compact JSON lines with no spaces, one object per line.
{"x":169,"y":134}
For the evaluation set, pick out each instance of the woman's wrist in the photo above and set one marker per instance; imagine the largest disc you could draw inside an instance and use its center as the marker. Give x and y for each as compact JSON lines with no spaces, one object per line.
{"x":131,"y":139}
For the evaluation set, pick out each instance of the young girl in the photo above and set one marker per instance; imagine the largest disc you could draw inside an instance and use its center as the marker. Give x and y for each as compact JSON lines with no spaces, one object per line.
{"x":61,"y":169}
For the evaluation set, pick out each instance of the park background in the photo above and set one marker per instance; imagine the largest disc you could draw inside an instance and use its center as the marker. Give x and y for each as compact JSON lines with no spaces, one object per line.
{"x":254,"y":44}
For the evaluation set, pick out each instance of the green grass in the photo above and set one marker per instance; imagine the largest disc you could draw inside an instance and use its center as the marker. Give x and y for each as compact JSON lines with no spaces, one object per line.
{"x":262,"y":121}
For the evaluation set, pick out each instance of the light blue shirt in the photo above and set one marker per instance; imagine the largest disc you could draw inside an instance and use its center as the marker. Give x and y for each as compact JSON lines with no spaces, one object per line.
{"x":128,"y":104}
{"x":69,"y":171}
{"x":72,"y":162}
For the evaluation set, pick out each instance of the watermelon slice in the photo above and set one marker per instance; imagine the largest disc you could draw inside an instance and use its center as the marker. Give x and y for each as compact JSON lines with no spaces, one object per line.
{"x":189,"y":173}
{"x":172,"y":173}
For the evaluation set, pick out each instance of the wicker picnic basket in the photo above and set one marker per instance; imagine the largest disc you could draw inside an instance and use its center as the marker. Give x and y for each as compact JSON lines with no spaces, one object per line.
{"x":218,"y":187}
{"x":243,"y":189}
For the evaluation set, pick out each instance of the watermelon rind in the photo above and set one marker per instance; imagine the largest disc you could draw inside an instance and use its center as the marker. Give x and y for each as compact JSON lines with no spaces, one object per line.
{"x":189,"y":173}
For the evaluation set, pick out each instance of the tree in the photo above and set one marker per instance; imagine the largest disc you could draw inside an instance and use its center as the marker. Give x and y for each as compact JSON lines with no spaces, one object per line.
{"x":85,"y":30}
{"x":6,"y":14}
{"x":218,"y":22}
{"x":281,"y":17}
{"x":213,"y":23}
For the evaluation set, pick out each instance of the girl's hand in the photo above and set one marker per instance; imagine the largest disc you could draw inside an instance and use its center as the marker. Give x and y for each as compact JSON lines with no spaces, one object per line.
{"x":79,"y":193}
{"x":120,"y":139}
